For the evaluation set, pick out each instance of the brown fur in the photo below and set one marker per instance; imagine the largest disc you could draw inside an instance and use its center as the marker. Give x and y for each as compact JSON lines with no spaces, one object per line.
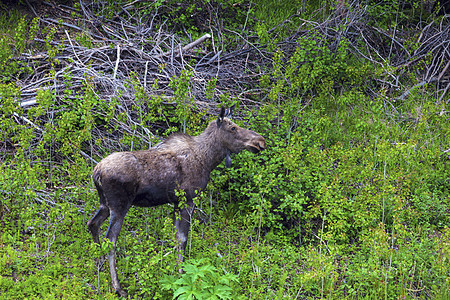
{"x":150,"y":177}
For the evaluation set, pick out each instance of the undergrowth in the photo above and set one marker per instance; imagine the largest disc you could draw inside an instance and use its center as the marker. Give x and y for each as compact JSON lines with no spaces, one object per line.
{"x":350,"y":199}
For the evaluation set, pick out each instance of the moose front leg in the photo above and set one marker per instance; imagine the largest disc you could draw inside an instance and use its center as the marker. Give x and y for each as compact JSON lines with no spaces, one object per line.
{"x":182,"y":220}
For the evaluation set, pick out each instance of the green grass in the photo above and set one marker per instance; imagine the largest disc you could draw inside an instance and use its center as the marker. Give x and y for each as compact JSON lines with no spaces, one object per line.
{"x":349,"y":201}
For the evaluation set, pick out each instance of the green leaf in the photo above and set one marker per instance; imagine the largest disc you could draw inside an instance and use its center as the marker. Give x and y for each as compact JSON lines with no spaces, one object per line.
{"x":168,"y":282}
{"x":222,"y":291}
{"x":183,"y":290}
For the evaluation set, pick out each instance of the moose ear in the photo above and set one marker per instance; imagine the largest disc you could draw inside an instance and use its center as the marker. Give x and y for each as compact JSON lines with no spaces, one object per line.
{"x":230,"y":111}
{"x":220,"y":117}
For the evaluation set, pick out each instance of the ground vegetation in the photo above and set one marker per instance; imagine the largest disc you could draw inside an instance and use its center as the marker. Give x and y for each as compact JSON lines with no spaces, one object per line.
{"x":350,"y":200}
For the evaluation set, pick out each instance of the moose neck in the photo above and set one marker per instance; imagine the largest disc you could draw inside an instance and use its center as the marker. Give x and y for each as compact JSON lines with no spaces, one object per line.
{"x":209,"y":147}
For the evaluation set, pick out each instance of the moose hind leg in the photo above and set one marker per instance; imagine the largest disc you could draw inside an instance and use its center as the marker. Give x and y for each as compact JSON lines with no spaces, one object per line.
{"x":112,"y":234}
{"x":96,"y":221}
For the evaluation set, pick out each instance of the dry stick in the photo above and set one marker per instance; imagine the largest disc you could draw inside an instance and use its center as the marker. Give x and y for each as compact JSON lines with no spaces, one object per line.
{"x":427,"y":42}
{"x":213,"y":58}
{"x":111,"y":32}
{"x":367,"y":47}
{"x":103,"y":54}
{"x":141,"y":53}
{"x":431,"y":69}
{"x":55,"y":22}
{"x":124,"y":31}
{"x":32,"y":8}
{"x":28,"y":121}
{"x":145,"y":75}
{"x":188,"y":46}
{"x":61,"y":6}
{"x":28,"y":102}
{"x":131,"y":5}
{"x":117,"y":61}
{"x":405,"y":94}
{"x":413,"y":61}
{"x":423,"y":30}
{"x":73,"y":49}
{"x":443,"y":71}
{"x":444,"y":93}
{"x":32,"y":93}
{"x":376,"y":52}
{"x":37,"y":83}
{"x":248,"y":42}
{"x":392,"y":39}
{"x":171,"y":52}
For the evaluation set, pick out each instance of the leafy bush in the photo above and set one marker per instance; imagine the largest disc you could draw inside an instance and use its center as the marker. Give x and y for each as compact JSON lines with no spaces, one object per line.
{"x":200,"y":281}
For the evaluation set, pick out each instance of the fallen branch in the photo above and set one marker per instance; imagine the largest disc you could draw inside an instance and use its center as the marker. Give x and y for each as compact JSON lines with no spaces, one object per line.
{"x":117,"y":62}
{"x":187,"y":47}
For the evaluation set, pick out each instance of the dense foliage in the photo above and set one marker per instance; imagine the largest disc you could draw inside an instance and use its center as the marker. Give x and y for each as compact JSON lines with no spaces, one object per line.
{"x":351,"y":199}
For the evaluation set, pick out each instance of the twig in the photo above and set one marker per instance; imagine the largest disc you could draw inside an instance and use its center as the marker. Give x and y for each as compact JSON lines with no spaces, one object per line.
{"x":55,"y":22}
{"x":405,"y":94}
{"x":32,"y":8}
{"x":444,"y":93}
{"x":443,"y":71}
{"x":28,"y":122}
{"x":322,"y":241}
{"x":117,"y":62}
{"x":145,"y":75}
{"x":73,"y":49}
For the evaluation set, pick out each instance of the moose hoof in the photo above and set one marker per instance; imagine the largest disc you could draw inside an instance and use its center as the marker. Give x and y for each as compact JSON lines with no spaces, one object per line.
{"x":121,"y":293}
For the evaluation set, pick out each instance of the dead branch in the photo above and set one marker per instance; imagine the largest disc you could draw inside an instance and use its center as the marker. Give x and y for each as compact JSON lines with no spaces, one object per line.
{"x":121,"y":51}
{"x":129,"y":48}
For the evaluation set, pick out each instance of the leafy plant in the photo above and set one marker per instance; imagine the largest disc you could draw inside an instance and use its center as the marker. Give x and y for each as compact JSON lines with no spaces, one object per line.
{"x":201,"y":281}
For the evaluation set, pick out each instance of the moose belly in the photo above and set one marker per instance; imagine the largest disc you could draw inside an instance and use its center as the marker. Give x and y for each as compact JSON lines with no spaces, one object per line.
{"x":153,"y":196}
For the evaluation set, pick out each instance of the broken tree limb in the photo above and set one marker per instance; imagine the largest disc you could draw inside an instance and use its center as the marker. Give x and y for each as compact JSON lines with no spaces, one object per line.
{"x":187,"y":47}
{"x":117,"y":62}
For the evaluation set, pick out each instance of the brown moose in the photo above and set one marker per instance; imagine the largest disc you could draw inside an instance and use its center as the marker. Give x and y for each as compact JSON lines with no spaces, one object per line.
{"x":151,"y":177}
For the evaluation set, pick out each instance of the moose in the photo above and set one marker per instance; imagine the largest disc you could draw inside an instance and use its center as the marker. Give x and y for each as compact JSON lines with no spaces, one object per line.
{"x":152,"y":177}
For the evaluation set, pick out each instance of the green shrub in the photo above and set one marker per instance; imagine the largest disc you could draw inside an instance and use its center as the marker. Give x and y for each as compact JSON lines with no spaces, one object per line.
{"x":201,"y":281}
